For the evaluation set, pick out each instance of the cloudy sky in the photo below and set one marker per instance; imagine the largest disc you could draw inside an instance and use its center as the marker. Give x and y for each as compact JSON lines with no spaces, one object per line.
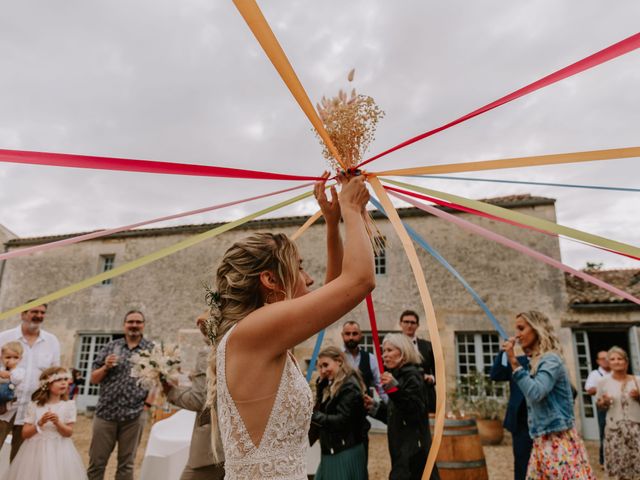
{"x":187,"y":82}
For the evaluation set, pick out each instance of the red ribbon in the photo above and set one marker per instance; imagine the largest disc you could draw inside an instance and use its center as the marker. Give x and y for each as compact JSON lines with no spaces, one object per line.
{"x":625,"y":46}
{"x":374,"y":332}
{"x":146,"y":166}
{"x":462,"y":208}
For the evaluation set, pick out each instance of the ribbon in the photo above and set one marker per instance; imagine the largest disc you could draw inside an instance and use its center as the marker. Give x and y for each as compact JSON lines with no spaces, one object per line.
{"x":310,"y":221}
{"x":314,"y":355}
{"x":432,"y":325}
{"x":517,"y":246}
{"x":500,"y":219}
{"x":435,"y":254}
{"x":152,"y":257}
{"x":535,"y":161}
{"x":545,"y":184}
{"x":374,"y":332}
{"x":625,"y":46}
{"x":262,"y":31}
{"x":527,"y":220}
{"x":103,"y":233}
{"x":146,"y":166}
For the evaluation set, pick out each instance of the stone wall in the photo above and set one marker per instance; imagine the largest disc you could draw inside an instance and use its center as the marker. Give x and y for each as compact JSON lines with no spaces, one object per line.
{"x":171,"y":295}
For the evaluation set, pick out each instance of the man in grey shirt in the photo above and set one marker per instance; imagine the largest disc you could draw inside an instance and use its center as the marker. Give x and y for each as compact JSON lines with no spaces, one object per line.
{"x":200,"y":465}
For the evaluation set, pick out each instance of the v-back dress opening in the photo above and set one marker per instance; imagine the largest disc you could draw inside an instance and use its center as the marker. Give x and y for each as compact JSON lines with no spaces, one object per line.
{"x":282,"y":452}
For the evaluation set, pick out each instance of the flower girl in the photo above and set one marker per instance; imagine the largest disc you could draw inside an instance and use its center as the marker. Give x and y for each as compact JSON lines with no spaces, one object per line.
{"x":48,"y":451}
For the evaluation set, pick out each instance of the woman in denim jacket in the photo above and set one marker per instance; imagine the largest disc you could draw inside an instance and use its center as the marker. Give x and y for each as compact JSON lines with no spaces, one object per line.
{"x":558,"y":451}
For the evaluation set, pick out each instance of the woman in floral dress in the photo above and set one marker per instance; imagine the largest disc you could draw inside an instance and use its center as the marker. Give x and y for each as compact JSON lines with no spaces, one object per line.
{"x":558,"y":452}
{"x":618,"y":394}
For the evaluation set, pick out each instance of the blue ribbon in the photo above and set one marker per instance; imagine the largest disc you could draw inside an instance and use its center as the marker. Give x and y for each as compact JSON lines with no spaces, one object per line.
{"x":467,"y":179}
{"x":420,"y":241}
{"x":314,"y":355}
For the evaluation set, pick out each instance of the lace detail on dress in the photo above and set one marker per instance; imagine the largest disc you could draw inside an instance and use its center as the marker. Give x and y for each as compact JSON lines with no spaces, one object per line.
{"x":282,"y":452}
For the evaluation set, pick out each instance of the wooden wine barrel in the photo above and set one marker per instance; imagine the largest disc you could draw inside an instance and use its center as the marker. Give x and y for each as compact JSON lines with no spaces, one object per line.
{"x":460,"y":456}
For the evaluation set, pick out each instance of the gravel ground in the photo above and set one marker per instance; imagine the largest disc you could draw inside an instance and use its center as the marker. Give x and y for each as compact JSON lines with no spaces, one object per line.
{"x":499,"y":458}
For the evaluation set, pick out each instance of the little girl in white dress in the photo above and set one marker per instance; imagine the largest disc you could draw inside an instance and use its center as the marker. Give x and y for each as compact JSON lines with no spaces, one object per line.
{"x":47,"y":452}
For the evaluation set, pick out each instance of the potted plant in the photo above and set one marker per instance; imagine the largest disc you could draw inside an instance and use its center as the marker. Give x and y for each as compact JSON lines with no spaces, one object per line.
{"x":481,"y":397}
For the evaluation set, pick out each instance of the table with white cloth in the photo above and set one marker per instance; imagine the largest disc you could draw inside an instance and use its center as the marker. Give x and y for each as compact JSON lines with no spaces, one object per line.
{"x":168,"y":448}
{"x":4,"y":456}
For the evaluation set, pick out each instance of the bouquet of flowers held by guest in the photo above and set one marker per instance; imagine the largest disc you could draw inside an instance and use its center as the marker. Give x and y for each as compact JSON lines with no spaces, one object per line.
{"x":152,"y":368}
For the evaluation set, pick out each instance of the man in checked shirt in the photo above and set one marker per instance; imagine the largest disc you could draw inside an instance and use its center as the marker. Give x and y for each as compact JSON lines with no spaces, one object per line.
{"x":119,"y":414}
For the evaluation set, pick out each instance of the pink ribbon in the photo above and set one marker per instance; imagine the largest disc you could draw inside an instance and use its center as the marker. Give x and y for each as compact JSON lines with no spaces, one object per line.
{"x":515,"y":246}
{"x":102,"y":233}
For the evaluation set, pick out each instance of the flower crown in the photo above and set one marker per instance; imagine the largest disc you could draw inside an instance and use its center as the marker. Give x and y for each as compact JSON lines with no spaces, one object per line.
{"x":44,"y":384}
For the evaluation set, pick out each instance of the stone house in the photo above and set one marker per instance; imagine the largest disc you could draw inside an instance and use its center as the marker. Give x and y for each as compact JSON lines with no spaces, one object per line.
{"x":170,"y":291}
{"x":599,"y":320}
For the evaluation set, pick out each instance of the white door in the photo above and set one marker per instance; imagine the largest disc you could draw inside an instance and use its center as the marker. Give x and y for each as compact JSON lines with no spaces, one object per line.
{"x":587,"y":402}
{"x":634,"y":349}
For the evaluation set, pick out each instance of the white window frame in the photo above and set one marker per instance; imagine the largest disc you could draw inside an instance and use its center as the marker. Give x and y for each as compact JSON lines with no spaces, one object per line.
{"x":89,"y":344}
{"x":476,"y":351}
{"x":107,"y":262}
{"x":367,"y":340}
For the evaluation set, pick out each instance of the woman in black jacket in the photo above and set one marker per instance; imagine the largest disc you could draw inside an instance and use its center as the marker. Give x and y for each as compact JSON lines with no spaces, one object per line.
{"x":340,"y":418}
{"x":406,"y":414}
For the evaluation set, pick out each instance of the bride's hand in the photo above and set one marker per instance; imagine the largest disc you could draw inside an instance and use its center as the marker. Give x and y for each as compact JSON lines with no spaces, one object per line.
{"x":353,"y":194}
{"x":330,"y":208}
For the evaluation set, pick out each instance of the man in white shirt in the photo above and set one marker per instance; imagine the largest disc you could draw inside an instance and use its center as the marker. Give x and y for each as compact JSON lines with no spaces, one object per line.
{"x":41,"y":351}
{"x":591,"y":387}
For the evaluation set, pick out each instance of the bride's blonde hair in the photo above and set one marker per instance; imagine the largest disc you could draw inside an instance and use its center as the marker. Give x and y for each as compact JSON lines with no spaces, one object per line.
{"x":547,"y":339}
{"x":239,"y":293}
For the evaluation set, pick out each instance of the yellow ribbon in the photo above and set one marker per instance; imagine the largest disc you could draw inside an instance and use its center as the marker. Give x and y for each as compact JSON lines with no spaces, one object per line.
{"x":310,"y":221}
{"x":262,"y":31}
{"x":524,"y":219}
{"x":152,"y":257}
{"x":432,"y":324}
{"x":538,"y":160}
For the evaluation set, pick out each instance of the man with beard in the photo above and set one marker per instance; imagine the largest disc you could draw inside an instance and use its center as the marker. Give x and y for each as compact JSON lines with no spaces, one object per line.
{"x":41,"y":350}
{"x":366,"y":364}
{"x":361,"y":360}
{"x":119,"y":414}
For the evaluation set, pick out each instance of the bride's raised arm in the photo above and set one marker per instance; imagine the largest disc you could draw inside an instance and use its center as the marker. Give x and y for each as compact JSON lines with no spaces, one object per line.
{"x":288,"y":322}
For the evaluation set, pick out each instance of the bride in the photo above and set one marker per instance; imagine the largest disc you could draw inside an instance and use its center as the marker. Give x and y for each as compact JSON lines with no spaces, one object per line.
{"x":263,"y":308}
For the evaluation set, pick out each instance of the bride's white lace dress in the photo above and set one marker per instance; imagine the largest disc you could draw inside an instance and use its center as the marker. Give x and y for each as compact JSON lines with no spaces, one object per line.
{"x":282,"y":452}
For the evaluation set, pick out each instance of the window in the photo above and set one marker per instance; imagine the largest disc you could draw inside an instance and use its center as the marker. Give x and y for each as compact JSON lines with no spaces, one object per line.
{"x":380,"y":258}
{"x":367,"y":340}
{"x":106,"y":264}
{"x":476,"y":352}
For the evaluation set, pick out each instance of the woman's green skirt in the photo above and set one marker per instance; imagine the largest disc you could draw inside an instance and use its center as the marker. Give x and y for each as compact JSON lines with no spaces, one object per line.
{"x":349,"y":464}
